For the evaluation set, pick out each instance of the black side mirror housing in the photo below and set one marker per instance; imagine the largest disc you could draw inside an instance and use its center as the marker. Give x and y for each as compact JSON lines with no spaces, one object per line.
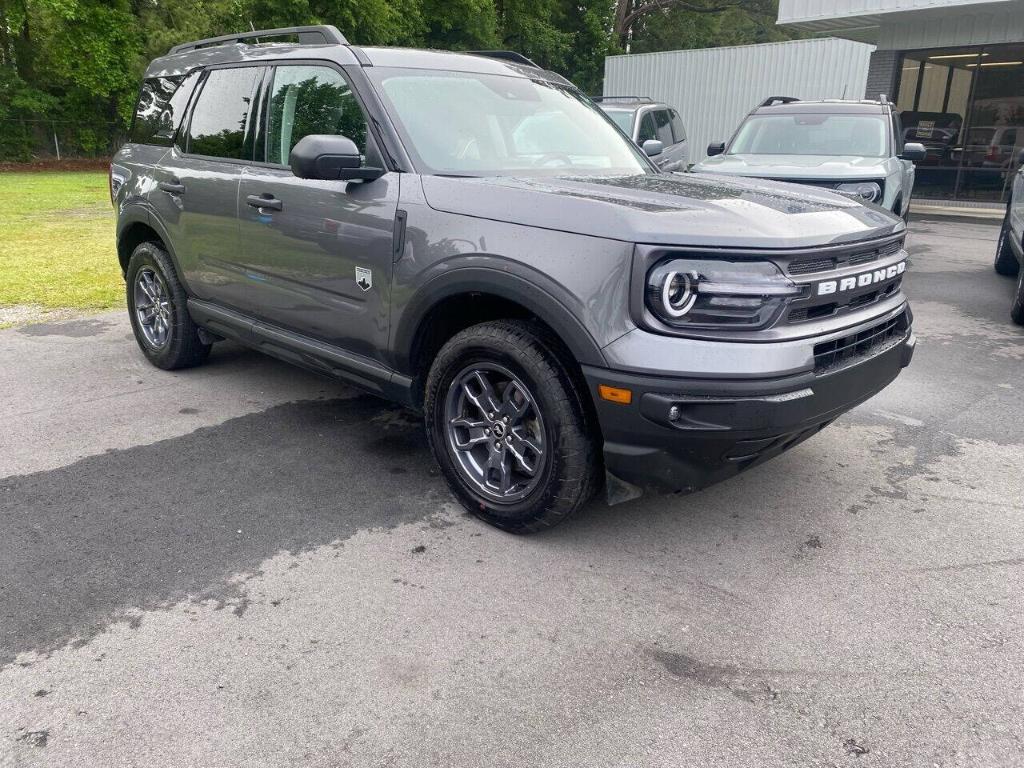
{"x":913,"y":152}
{"x":716,"y":148}
{"x":330,"y":157}
{"x":1020,"y":158}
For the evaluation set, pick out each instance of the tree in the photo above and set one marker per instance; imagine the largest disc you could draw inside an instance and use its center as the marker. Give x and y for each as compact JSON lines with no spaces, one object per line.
{"x":630,"y":13}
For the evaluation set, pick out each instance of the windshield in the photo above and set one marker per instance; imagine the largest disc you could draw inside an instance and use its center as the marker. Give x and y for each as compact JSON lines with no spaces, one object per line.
{"x":812,"y":134}
{"x":468,"y":124}
{"x":623,"y":118}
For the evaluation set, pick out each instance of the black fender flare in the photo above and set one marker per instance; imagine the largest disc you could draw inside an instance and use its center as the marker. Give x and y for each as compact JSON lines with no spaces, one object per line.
{"x":141,"y":213}
{"x":537,"y":293}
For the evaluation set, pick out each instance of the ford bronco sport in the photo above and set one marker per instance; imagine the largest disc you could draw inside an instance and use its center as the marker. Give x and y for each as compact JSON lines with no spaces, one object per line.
{"x":853,"y":147}
{"x":469,"y":235}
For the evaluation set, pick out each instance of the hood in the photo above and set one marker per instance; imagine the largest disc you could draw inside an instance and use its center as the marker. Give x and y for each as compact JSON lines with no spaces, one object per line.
{"x":830,"y":167}
{"x":670,"y":209}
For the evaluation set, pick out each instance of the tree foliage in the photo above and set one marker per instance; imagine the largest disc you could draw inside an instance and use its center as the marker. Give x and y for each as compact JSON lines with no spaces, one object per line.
{"x":76,"y":64}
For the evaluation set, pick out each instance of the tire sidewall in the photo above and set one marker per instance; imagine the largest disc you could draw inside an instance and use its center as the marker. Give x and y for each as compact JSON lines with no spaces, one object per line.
{"x":1017,"y":310}
{"x":450,"y":362}
{"x":152,"y":256}
{"x":1005,"y":261}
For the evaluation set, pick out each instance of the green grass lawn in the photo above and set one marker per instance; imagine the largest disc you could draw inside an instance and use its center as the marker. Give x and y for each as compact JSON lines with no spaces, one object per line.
{"x":57,"y":242}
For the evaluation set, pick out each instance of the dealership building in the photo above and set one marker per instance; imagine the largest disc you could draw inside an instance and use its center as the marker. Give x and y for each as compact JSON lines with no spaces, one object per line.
{"x":954,"y":69}
{"x":956,"y":73}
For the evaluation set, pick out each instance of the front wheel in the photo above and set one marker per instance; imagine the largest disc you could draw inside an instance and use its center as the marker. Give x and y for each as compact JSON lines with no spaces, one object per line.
{"x":508,"y":427}
{"x":1006,"y":262}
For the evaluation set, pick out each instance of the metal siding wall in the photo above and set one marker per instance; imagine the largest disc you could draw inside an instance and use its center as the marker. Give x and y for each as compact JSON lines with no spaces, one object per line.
{"x":962,"y":28}
{"x":806,"y":10}
{"x":714,"y":88}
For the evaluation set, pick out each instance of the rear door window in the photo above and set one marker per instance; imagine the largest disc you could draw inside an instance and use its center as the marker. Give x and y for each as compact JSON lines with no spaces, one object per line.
{"x":664,"y":126}
{"x":218,"y":124}
{"x":310,"y":100}
{"x":161,"y":107}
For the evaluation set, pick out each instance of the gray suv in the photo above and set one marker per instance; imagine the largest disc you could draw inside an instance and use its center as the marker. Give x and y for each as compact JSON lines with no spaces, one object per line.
{"x":655,"y":127}
{"x":469,"y":235}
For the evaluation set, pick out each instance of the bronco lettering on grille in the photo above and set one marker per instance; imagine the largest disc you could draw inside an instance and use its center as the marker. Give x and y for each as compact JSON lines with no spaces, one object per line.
{"x":862,"y":280}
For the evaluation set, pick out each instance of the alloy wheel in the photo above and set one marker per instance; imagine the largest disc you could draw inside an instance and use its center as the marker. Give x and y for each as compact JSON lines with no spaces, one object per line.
{"x":152,"y":307}
{"x":495,"y":432}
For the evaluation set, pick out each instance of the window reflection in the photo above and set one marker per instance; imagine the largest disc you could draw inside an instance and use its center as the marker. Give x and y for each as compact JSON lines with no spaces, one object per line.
{"x":217,"y":127}
{"x":967,"y":107}
{"x":307,"y":101}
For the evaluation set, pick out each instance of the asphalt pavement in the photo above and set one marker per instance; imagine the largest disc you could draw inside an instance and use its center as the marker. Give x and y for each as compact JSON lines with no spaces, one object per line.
{"x":248,"y":565}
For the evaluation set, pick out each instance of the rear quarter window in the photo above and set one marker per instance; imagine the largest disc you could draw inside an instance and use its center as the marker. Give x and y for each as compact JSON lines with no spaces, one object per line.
{"x":161,"y":107}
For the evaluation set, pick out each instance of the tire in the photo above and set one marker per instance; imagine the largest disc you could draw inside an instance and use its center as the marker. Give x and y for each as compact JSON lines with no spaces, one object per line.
{"x":1006,"y":262}
{"x":150,"y":270}
{"x":523,"y":370}
{"x":1017,"y":310}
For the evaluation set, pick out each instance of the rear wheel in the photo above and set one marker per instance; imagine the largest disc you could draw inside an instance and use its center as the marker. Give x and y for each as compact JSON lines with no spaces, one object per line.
{"x":1006,"y":261}
{"x":158,"y":309}
{"x":508,"y":427}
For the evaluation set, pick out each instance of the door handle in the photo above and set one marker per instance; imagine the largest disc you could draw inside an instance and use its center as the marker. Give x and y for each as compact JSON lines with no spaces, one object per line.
{"x":174,"y":187}
{"x":266,"y":200}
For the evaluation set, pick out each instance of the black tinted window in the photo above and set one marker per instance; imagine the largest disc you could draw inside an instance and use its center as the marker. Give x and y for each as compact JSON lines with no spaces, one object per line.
{"x":647,"y":131}
{"x":161,"y":108}
{"x":311,"y":100}
{"x":677,"y":126}
{"x":664,"y":124}
{"x":217,"y":127}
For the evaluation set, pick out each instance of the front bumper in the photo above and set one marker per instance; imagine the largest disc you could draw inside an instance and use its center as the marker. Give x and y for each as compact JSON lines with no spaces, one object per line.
{"x":680,"y":435}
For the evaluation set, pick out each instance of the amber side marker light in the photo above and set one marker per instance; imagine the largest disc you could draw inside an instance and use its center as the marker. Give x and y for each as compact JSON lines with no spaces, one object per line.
{"x":615,"y":394}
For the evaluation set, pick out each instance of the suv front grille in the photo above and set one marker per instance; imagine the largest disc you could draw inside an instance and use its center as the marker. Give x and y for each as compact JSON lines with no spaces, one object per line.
{"x":843,"y":352}
{"x":826,"y":263}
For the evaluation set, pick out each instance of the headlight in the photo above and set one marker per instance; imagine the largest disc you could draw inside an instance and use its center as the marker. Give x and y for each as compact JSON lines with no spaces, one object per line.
{"x":708,"y":293}
{"x":868,"y":191}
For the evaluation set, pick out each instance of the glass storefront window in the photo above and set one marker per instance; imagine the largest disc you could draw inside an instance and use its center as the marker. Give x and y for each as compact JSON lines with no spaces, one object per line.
{"x":967,"y":107}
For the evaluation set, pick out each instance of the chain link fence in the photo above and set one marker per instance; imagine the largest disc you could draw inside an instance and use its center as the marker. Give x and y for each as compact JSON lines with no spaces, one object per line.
{"x":32,"y":140}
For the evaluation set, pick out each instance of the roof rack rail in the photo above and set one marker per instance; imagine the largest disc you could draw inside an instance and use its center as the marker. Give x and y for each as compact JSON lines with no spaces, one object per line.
{"x":623,"y":98}
{"x":512,"y":56}
{"x":771,"y":101}
{"x":320,"y":34}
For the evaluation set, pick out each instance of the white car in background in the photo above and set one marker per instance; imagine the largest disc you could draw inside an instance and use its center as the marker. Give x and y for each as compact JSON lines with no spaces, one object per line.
{"x":852,"y":147}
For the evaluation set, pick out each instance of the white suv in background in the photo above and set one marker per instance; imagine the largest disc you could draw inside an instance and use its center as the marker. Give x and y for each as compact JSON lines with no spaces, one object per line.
{"x":852,"y":147}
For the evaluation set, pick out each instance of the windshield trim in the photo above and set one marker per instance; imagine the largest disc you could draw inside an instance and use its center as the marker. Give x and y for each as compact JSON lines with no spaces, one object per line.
{"x":375,"y":76}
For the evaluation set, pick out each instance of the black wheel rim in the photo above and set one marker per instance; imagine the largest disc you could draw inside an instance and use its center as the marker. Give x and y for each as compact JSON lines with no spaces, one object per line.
{"x":152,"y":307}
{"x":495,"y":432}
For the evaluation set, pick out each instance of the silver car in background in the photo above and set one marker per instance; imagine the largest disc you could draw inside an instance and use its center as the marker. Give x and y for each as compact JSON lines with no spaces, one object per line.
{"x":654,"y":126}
{"x":852,"y":147}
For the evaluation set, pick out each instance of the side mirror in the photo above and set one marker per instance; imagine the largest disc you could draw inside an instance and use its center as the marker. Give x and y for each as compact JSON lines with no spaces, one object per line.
{"x":913,"y":152}
{"x":330,"y":157}
{"x":1020,"y":158}
{"x":652,"y":147}
{"x":716,"y":148}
